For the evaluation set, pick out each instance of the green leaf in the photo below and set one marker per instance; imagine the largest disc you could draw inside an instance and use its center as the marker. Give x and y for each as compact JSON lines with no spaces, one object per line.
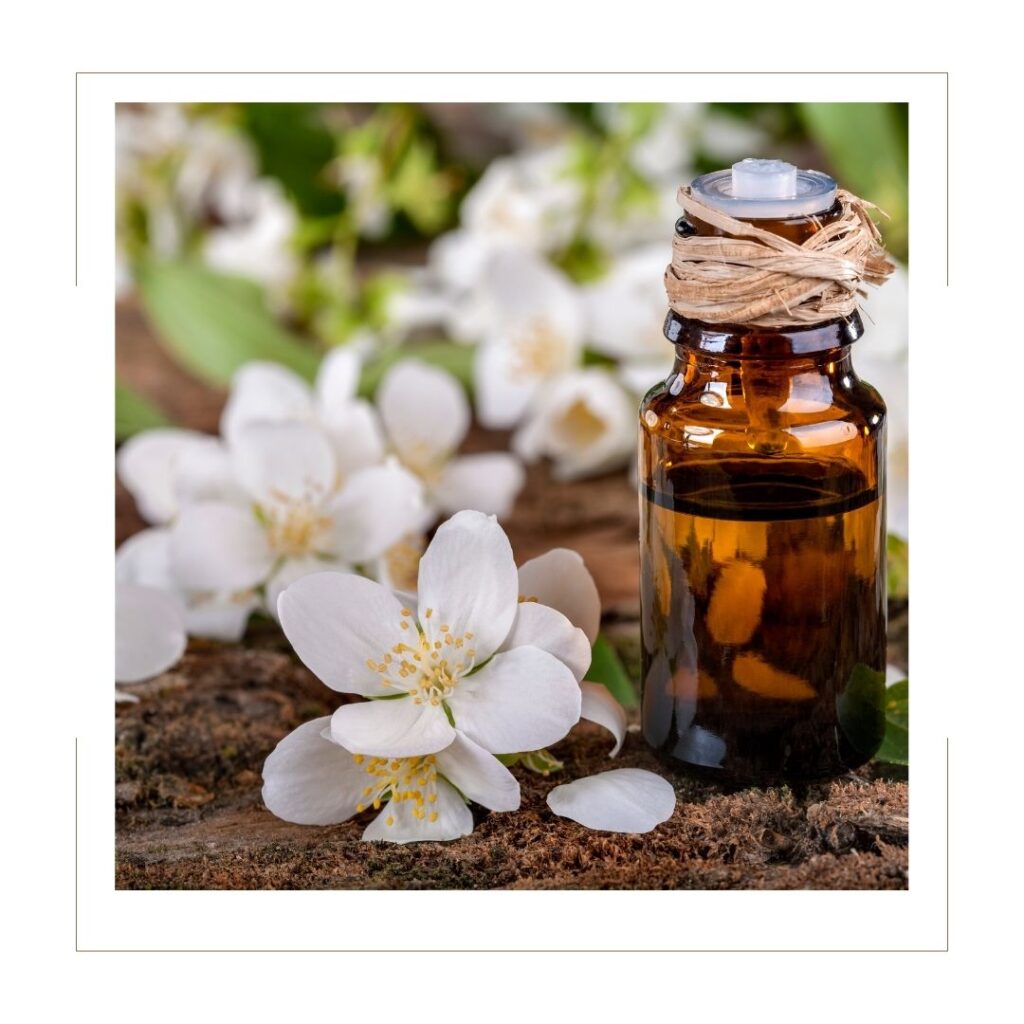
{"x":861,"y":709}
{"x":606,"y":667}
{"x":213,"y":323}
{"x":866,"y":144}
{"x":456,"y":359}
{"x":133,"y":413}
{"x":295,"y":146}
{"x":543,"y":762}
{"x":898,"y":566}
{"x":895,"y":747}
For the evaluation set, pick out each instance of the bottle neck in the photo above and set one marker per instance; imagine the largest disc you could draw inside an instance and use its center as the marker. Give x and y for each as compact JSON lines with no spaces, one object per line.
{"x":827,"y":342}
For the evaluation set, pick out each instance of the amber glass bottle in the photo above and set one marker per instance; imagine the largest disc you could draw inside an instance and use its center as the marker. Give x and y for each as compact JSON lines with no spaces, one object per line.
{"x":762,"y":538}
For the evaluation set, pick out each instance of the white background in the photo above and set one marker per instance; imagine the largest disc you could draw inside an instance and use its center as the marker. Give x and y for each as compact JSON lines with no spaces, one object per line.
{"x":58,"y":523}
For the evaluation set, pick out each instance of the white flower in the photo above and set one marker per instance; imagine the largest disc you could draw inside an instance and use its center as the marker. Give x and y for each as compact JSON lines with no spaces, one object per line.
{"x":165,"y":469}
{"x":257,"y":242}
{"x":528,"y":201}
{"x":145,"y":559}
{"x":558,"y":581}
{"x":535,"y":334}
{"x":149,"y":633}
{"x":263,"y":392}
{"x":293,"y":518}
{"x":310,"y":780}
{"x":626,"y":315}
{"x":584,"y":422}
{"x":880,"y":358}
{"x":426,"y":417}
{"x":623,"y":800}
{"x":442,"y":668}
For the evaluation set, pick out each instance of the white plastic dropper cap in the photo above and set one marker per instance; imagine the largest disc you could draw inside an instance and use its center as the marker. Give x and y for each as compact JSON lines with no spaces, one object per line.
{"x":763,"y":179}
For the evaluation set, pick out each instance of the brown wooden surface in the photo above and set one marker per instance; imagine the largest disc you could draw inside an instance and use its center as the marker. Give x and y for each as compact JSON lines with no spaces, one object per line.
{"x":189,"y":754}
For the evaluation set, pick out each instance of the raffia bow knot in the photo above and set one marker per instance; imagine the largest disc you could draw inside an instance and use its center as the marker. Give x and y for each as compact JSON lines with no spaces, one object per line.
{"x":763,"y":280}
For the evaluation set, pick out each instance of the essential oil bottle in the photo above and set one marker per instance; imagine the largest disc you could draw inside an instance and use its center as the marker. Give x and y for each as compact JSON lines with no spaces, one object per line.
{"x":762,"y":526}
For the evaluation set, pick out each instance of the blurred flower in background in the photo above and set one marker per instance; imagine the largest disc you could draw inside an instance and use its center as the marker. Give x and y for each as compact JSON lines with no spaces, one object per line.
{"x":514,"y":251}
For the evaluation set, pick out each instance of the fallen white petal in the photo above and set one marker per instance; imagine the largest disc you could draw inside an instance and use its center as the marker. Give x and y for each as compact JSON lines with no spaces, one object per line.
{"x":623,"y":800}
{"x":311,"y":781}
{"x":601,"y":707}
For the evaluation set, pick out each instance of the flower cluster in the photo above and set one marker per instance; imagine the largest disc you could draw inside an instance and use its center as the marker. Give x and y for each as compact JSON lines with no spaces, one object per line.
{"x":478,"y":667}
{"x":302,"y":479}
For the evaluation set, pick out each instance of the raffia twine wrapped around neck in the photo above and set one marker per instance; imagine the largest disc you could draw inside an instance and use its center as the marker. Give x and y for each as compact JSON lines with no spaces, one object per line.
{"x":762,"y":280}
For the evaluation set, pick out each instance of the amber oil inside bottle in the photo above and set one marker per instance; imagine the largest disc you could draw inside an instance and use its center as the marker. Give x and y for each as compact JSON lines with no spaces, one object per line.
{"x":763,"y":602}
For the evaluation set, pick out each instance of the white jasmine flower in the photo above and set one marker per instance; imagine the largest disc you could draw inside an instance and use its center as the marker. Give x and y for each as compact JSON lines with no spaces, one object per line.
{"x":145,"y":559}
{"x":623,"y":800}
{"x":426,"y":417}
{"x":528,"y":201}
{"x":535,"y":334}
{"x":263,"y":392}
{"x":310,"y":780}
{"x":559,"y":581}
{"x":442,"y":666}
{"x":626,"y":315}
{"x":584,"y":422}
{"x":149,"y":633}
{"x":257,"y":242}
{"x":293,"y":519}
{"x":166,"y":468}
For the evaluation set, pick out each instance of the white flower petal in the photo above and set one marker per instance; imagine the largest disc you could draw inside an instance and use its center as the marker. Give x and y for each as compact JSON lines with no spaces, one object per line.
{"x":265,"y":392}
{"x":374,"y":509}
{"x":356,"y":436}
{"x":217,"y":547}
{"x":522,"y":699}
{"x":392,"y":728}
{"x":220,"y":616}
{"x":503,"y":391}
{"x":454,"y":819}
{"x":337,"y":378}
{"x":120,"y":697}
{"x":601,"y":707}
{"x":584,"y":422}
{"x":536,"y":625}
{"x":311,"y":781}
{"x":145,"y":558}
{"x":623,"y":800}
{"x":488,"y":483}
{"x":203,"y":473}
{"x":294,"y":569}
{"x":425,"y":412}
{"x":468,"y":582}
{"x":479,"y":775}
{"x":150,"y":632}
{"x":281,"y":462}
{"x":147,"y":466}
{"x":337,"y":622}
{"x":560,"y":579}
